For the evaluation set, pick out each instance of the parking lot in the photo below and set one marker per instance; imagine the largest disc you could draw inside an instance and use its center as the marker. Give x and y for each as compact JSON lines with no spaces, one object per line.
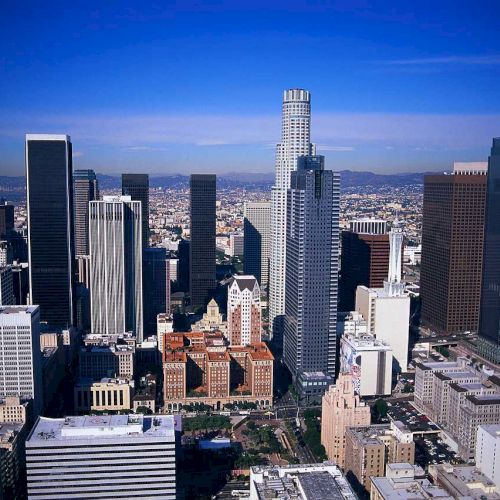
{"x":430,"y":449}
{"x":415,"y":421}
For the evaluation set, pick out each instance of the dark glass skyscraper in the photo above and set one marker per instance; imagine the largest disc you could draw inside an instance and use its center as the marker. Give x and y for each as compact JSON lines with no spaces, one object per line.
{"x":50,"y":227}
{"x":137,"y":187}
{"x":6,"y":219}
{"x":202,"y":244}
{"x":85,"y":190}
{"x":489,"y":318}
{"x":452,"y":248}
{"x":156,"y":287}
{"x":312,"y":245}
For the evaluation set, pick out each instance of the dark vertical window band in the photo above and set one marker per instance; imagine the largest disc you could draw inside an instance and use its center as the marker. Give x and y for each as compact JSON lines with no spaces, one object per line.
{"x":202,"y":244}
{"x":50,"y":227}
{"x":137,"y":187}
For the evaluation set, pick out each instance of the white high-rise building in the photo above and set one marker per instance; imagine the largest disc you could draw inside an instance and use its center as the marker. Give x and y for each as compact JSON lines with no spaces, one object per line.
{"x":243,"y":311}
{"x":387,"y":310}
{"x":295,"y":142}
{"x":488,"y":452}
{"x":105,"y":456}
{"x":20,"y":357}
{"x":116,"y":266}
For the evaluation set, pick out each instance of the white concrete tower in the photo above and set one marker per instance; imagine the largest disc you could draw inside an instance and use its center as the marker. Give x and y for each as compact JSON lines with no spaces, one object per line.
{"x":393,"y":286}
{"x":295,"y":142}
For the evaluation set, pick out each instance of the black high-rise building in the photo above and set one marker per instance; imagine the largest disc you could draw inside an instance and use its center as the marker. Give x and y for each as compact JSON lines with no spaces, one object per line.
{"x":85,"y":189}
{"x":50,"y":227}
{"x":202,"y":244}
{"x":156,"y":287}
{"x":6,"y":219}
{"x":489,"y":315}
{"x":137,"y":187}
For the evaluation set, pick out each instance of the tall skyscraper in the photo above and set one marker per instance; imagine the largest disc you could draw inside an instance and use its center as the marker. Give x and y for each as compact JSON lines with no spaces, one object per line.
{"x":295,"y":142}
{"x":243,"y":311}
{"x":257,"y":240}
{"x":85,"y":189}
{"x":137,"y":187}
{"x":20,"y":358}
{"x":156,"y":283}
{"x":489,"y":320}
{"x":311,"y":268}
{"x":50,"y":227}
{"x":364,"y":260}
{"x":116,"y":266}
{"x":452,"y":248}
{"x":7,"y":297}
{"x":202,"y":244}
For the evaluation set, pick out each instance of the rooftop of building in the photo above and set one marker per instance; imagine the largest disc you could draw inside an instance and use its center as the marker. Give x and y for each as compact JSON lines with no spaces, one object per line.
{"x":87,"y":381}
{"x":492,"y":429}
{"x":8,"y":432}
{"x":301,"y":482}
{"x":408,"y":489}
{"x":465,"y":374}
{"x":366,"y":342}
{"x":218,"y":356}
{"x":18,"y":309}
{"x":244,"y":282}
{"x":468,"y":387}
{"x":87,"y":428}
{"x":484,"y":399}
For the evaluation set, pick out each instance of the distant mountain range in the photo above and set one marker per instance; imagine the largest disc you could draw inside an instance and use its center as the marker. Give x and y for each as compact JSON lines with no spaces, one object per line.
{"x":13,"y":188}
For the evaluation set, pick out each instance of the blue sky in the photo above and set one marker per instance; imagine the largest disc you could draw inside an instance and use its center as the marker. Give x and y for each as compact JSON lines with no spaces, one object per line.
{"x":193,"y":86}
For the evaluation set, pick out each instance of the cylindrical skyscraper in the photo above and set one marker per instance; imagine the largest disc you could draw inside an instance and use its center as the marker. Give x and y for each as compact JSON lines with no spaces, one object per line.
{"x":295,"y":142}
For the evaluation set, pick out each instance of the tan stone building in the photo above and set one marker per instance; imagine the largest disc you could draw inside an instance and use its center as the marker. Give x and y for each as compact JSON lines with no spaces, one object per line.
{"x":369,"y":449}
{"x":13,"y":410}
{"x":341,"y":409}
{"x":200,"y":367}
{"x":106,"y":394}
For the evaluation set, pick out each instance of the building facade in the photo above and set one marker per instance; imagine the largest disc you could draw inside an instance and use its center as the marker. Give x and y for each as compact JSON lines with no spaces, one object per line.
{"x":341,"y":409}
{"x":487,"y":455}
{"x":199,"y":367}
{"x":137,"y":187}
{"x":202,"y":244}
{"x":312,"y":246}
{"x":85,"y":190}
{"x":135,"y":456}
{"x":489,"y":320}
{"x":107,"y":394}
{"x":243,"y":311}
{"x":49,"y":202}
{"x":116,"y":266}
{"x":295,"y":142}
{"x":452,"y":248}
{"x":257,"y":240}
{"x":20,"y":357}
{"x":7,"y":297}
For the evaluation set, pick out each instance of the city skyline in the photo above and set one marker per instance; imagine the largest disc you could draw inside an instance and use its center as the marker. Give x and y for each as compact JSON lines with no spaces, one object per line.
{"x":399,"y":89}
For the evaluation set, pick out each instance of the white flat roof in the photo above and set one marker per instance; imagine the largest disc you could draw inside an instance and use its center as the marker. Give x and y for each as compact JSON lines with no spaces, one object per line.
{"x":87,"y":428}
{"x":48,"y":137}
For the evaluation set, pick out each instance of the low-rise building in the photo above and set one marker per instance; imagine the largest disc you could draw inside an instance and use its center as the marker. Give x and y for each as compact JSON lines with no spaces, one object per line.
{"x":14,"y":410}
{"x":369,"y":449}
{"x":107,"y":356}
{"x":107,"y":394}
{"x":119,"y":456}
{"x":405,"y":482}
{"x":488,"y":452}
{"x":145,"y":394}
{"x":462,"y":481}
{"x":200,"y":367}
{"x":301,"y":482}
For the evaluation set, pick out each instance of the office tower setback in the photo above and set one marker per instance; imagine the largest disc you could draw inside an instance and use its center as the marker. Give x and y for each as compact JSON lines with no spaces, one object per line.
{"x":202,"y":244}
{"x":311,"y":268}
{"x":341,"y":409}
{"x":116,"y":266}
{"x":295,"y":142}
{"x":137,"y":187}
{"x":489,"y":320}
{"x":20,"y":358}
{"x":50,"y":227}
{"x":107,"y":456}
{"x":257,"y":240}
{"x":243,"y":311}
{"x":156,"y":283}
{"x":452,"y":248}
{"x":85,"y":190}
{"x":364,"y":260}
